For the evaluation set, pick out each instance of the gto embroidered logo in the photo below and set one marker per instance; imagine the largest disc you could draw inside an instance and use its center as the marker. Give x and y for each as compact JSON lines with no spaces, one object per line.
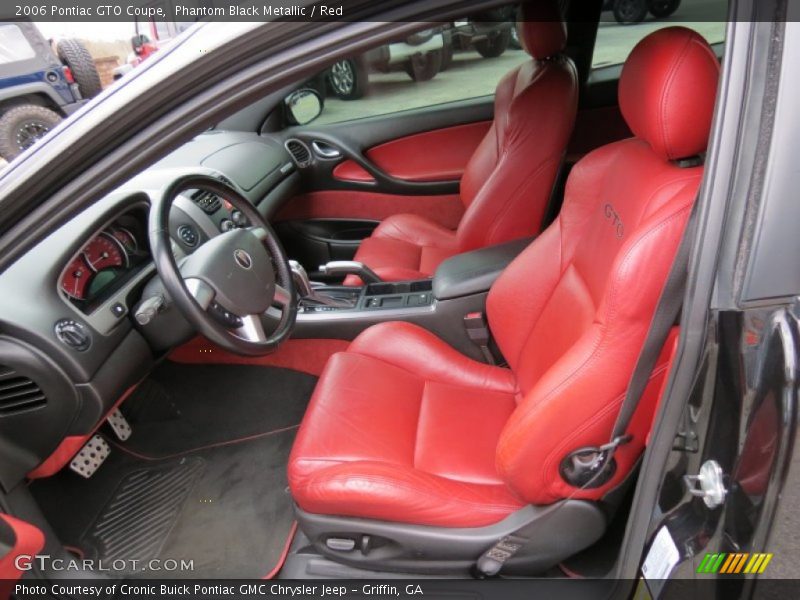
{"x":611,"y":214}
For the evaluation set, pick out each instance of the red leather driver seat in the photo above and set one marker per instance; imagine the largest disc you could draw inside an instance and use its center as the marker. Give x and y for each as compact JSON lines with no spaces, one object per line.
{"x":508,"y":181}
{"x":404,"y":428}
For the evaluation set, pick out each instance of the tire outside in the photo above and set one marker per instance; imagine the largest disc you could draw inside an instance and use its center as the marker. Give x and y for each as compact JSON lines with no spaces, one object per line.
{"x":424,"y":67}
{"x":662,"y":9}
{"x":22,"y":126}
{"x":515,"y":43}
{"x":629,"y":12}
{"x":448,"y":50}
{"x":348,"y":79}
{"x":75,"y":55}
{"x":494,"y":46}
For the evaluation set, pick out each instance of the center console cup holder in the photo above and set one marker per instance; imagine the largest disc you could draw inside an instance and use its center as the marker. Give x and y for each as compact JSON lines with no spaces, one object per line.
{"x":399,"y":287}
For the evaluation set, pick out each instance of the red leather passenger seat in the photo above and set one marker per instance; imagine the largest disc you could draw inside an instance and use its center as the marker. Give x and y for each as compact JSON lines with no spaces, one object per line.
{"x":509,"y":179}
{"x":404,"y":428}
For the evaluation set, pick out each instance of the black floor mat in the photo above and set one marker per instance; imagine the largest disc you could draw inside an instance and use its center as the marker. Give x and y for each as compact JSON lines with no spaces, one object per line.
{"x":221,"y":503}
{"x":201,"y":405}
{"x":151,"y":497}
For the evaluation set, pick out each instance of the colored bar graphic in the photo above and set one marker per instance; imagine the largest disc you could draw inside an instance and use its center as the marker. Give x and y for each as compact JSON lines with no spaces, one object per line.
{"x":704,"y":563}
{"x":755,"y":562}
{"x":767,"y":558}
{"x":727,"y":564}
{"x":718,"y":563}
{"x":739,"y":563}
{"x":731,"y":564}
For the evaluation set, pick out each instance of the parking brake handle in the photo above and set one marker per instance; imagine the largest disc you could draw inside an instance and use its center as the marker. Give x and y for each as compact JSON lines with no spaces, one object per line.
{"x":351,"y":267}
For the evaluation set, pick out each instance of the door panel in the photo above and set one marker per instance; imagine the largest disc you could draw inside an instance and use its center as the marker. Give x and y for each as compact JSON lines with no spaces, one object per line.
{"x":321,"y":226}
{"x":438,"y":155}
{"x":17,"y":538}
{"x":419,"y":152}
{"x":444,"y":209}
{"x":366,"y":170}
{"x":350,"y":170}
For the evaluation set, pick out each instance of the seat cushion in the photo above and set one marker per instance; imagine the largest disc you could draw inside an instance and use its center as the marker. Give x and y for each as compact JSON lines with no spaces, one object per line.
{"x":404,"y":428}
{"x":405,"y":247}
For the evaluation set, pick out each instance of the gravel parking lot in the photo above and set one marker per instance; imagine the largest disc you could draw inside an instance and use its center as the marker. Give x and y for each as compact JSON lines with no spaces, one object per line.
{"x":471,"y":75}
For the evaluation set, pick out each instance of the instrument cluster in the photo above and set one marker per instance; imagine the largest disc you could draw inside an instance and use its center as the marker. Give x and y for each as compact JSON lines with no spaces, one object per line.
{"x":105,"y":261}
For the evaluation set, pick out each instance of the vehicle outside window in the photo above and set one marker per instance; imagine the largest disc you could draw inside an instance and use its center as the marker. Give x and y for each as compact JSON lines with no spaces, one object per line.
{"x":41,"y":82}
{"x":463,"y":59}
{"x":616,"y":39}
{"x":480,"y":48}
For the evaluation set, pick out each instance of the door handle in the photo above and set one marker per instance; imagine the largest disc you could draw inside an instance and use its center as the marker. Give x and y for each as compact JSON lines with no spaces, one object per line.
{"x":326,"y":151}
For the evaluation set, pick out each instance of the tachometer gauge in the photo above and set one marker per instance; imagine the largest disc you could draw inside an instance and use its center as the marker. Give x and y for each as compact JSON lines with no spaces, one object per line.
{"x":76,"y":278}
{"x":105,"y":252}
{"x":126,"y":238}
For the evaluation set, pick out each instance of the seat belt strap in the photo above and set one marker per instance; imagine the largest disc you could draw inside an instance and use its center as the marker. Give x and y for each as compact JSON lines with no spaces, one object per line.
{"x":595,"y":463}
{"x":593,"y":466}
{"x":665,"y":317}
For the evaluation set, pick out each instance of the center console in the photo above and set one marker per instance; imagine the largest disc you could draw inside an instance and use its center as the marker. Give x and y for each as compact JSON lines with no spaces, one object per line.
{"x":376,"y":296}
{"x":458,"y":288}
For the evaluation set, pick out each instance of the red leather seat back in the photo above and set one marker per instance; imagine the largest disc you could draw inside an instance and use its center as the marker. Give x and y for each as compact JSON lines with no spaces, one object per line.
{"x":508,"y":181}
{"x":571,"y":312}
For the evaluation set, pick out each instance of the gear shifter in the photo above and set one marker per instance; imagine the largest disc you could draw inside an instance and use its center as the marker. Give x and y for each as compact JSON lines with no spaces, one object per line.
{"x":307,"y":293}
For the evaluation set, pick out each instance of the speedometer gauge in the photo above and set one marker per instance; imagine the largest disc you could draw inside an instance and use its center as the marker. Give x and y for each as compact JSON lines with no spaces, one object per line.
{"x":76,"y":278}
{"x":105,"y":252}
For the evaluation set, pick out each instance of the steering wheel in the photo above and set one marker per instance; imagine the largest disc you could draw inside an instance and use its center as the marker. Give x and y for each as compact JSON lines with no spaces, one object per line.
{"x":226,"y":285}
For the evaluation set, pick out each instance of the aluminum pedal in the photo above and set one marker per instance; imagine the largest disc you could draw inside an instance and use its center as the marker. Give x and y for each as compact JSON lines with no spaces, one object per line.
{"x":120,"y":425}
{"x":90,"y":457}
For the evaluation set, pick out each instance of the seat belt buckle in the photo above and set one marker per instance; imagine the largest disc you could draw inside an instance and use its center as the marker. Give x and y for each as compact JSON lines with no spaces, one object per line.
{"x":592,"y":466}
{"x":478,"y":333}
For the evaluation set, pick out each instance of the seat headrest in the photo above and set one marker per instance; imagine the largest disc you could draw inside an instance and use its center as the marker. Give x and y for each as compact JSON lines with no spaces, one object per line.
{"x":667,"y":91}
{"x":541,"y":28}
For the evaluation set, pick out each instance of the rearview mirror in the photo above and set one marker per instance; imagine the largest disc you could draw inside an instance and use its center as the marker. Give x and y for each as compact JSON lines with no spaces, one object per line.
{"x":303,"y":106}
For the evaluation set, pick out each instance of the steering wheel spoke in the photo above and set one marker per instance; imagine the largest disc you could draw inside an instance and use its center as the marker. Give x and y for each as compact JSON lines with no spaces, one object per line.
{"x":202,"y":292}
{"x":252,"y":329}
{"x":259,"y":232}
{"x":282,"y":297}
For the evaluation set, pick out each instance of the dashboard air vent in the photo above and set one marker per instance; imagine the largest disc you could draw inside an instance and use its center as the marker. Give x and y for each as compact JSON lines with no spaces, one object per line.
{"x":226,"y":181}
{"x":206,"y":200}
{"x":18,"y":393}
{"x":299,"y":151}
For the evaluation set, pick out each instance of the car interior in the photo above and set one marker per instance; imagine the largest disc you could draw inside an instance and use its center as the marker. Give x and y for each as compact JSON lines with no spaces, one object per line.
{"x":383,"y":345}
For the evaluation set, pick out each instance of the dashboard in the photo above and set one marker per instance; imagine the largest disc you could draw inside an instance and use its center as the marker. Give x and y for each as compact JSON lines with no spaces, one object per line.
{"x":67,"y":306}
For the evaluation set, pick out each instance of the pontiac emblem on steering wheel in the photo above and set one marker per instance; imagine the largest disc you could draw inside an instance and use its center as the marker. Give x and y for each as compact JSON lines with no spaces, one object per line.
{"x":242,"y":258}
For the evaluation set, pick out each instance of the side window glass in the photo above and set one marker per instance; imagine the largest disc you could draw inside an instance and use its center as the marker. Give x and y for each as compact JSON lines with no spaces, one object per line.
{"x":460,"y":60}
{"x":624,"y":23}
